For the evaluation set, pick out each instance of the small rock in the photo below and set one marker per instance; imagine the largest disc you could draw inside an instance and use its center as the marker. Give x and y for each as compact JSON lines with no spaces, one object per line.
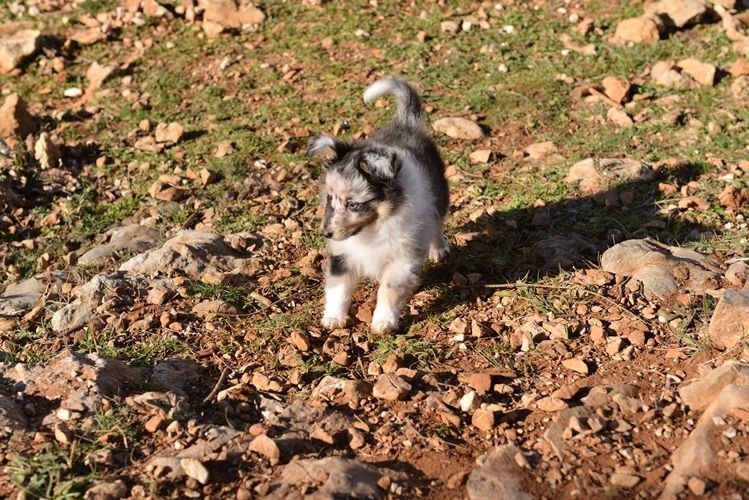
{"x":576,"y":365}
{"x":540,"y":150}
{"x":62,"y":433}
{"x":16,"y":47}
{"x":740,"y":67}
{"x":231,"y":14}
{"x":620,"y":118}
{"x":697,"y":486}
{"x":15,"y":120}
{"x":265,"y":446}
{"x":614,"y":345}
{"x":615,"y":89}
{"x":72,"y":92}
{"x":624,"y":480}
{"x":449,"y":27}
{"x":703,"y":73}
{"x":299,"y":340}
{"x":663,"y":73}
{"x":551,"y":404}
{"x":107,"y":490}
{"x":153,"y":423}
{"x":96,"y":75}
{"x":458,"y":128}
{"x":46,"y":152}
{"x":483,"y":419}
{"x":224,"y":148}
{"x":456,"y":480}
{"x":168,"y":133}
{"x":391,"y":388}
{"x":468,"y":401}
{"x":480,"y":382}
{"x":459,"y":326}
{"x":196,"y":470}
{"x":480,"y":156}
{"x":356,"y":440}
{"x":730,"y":321}
{"x":323,"y":436}
{"x":643,"y":29}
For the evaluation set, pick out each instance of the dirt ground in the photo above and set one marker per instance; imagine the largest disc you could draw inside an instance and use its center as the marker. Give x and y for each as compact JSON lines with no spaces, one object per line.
{"x":158,"y":208}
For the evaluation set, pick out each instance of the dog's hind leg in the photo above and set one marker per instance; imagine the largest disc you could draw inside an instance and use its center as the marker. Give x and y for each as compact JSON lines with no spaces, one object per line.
{"x":339,"y":285}
{"x":438,"y":248}
{"x":397,"y":285}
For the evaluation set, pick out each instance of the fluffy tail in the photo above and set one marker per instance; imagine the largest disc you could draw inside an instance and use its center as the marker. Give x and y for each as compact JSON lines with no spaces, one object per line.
{"x":409,"y":105}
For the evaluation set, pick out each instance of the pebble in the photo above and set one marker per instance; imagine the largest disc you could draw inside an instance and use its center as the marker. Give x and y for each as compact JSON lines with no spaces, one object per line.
{"x":576,"y":365}
{"x":194,"y":469}
{"x":624,"y":480}
{"x":265,"y":446}
{"x":483,"y":419}
{"x":73,"y":92}
{"x":697,"y":486}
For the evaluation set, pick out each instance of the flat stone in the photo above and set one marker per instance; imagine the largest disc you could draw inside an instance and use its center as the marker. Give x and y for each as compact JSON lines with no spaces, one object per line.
{"x":595,"y":174}
{"x":19,"y":298}
{"x":331,"y":477}
{"x":540,"y":150}
{"x":551,"y":404}
{"x":458,"y":128}
{"x":134,"y":238}
{"x":16,"y":47}
{"x":480,"y":382}
{"x":663,"y":271}
{"x":499,"y":476}
{"x":623,"y":480}
{"x":196,"y":254}
{"x":730,"y":321}
{"x":169,"y":133}
{"x":620,"y":118}
{"x":576,"y":365}
{"x":195,"y":469}
{"x":391,"y":387}
{"x":740,"y":67}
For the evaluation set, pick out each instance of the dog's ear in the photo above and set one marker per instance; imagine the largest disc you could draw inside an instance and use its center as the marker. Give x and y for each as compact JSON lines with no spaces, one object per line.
{"x":380,"y":166}
{"x":327,"y":148}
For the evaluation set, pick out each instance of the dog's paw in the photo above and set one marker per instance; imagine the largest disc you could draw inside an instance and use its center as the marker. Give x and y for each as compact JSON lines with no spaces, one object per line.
{"x":438,"y":253}
{"x":384,"y":322}
{"x":333,"y":322}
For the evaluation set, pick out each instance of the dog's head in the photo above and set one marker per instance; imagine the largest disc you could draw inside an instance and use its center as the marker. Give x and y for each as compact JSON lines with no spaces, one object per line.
{"x":359,"y":186}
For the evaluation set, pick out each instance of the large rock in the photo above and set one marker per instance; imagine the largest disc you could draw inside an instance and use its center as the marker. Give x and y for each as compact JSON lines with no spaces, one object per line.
{"x":721,"y":392}
{"x":77,"y":381}
{"x":14,"y":48}
{"x":330,"y":477}
{"x":499,"y":477}
{"x":595,"y":174}
{"x":15,"y":119}
{"x":677,"y":13}
{"x":19,"y":298}
{"x":101,"y":294}
{"x":134,"y":238}
{"x":194,"y":254}
{"x":664,"y":271}
{"x":230,"y":15}
{"x":730,"y":321}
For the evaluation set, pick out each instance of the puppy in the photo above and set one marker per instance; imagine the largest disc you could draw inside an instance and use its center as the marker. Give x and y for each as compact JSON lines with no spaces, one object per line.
{"x":384,"y":204}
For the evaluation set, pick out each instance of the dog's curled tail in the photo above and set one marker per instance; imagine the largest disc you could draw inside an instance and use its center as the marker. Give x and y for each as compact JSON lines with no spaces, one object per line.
{"x":409,"y":104}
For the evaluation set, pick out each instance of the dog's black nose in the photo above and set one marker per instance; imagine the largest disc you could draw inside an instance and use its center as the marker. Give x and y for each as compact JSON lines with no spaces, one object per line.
{"x":327,"y":234}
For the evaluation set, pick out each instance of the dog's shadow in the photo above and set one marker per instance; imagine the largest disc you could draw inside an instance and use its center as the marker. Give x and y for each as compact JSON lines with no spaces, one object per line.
{"x":532,"y":243}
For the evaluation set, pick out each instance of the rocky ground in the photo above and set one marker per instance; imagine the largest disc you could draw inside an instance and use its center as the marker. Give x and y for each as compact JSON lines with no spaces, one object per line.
{"x":160,"y":255}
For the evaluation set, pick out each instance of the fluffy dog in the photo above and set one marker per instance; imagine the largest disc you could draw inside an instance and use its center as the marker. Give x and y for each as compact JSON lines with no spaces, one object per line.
{"x":385,"y":200}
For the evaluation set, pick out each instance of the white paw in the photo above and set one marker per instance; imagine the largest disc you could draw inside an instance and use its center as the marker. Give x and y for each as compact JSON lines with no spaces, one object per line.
{"x":384,"y":322}
{"x":438,"y":254}
{"x":333,"y":322}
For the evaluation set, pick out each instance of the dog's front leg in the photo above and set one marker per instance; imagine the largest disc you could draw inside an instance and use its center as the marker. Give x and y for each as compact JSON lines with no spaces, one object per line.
{"x":339,"y":285}
{"x":397,"y":285}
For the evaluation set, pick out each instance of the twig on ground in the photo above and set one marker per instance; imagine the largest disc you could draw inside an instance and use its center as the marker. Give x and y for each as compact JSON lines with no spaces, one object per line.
{"x":218,"y":385}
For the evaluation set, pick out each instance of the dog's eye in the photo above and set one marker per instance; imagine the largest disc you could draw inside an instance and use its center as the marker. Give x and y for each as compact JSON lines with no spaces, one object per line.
{"x":354,"y":206}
